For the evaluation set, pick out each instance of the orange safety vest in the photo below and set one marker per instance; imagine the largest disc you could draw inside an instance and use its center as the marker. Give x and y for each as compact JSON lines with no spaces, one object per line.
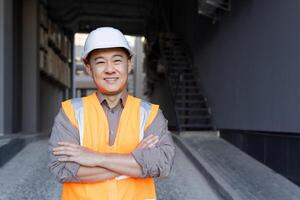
{"x":88,"y":116}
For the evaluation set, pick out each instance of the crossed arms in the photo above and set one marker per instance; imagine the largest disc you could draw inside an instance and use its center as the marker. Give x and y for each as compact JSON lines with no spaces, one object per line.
{"x":70,"y":162}
{"x":96,"y":166}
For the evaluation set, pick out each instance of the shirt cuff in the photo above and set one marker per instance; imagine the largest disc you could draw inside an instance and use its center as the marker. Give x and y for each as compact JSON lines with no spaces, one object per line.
{"x":73,"y":169}
{"x":138,"y":156}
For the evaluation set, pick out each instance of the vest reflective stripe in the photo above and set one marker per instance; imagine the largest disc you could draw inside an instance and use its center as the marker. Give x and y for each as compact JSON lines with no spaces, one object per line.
{"x":144,"y":113}
{"x":79,"y":115}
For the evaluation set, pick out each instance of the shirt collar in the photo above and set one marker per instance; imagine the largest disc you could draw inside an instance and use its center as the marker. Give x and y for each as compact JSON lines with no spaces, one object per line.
{"x":123,"y":97}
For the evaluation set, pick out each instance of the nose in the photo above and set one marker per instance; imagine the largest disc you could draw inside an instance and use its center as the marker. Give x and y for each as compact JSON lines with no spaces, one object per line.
{"x":109,"y":68}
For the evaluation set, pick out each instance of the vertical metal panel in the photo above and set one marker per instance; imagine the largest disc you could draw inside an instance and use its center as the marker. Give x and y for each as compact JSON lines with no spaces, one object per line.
{"x":6,"y":66}
{"x":30,"y":95}
{"x":1,"y":66}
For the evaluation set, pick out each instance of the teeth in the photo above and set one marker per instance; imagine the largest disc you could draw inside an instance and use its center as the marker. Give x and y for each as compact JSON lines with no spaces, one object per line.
{"x":110,"y":78}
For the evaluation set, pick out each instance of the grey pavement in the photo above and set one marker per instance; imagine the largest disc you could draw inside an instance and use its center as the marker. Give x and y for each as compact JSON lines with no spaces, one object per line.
{"x":26,"y":177}
{"x":184,"y":182}
{"x":238,"y":175}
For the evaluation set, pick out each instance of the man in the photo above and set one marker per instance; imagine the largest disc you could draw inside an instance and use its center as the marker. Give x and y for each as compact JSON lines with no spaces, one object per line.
{"x":109,"y":145}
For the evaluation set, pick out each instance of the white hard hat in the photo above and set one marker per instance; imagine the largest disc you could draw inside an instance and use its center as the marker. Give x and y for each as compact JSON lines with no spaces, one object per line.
{"x":105,"y":37}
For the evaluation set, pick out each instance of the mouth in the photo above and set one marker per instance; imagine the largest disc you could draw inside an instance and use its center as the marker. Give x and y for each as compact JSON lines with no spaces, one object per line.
{"x":111,"y":79}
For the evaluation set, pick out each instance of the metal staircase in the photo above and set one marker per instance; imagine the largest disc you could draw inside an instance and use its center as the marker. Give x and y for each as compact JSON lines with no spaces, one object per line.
{"x":190,"y":104}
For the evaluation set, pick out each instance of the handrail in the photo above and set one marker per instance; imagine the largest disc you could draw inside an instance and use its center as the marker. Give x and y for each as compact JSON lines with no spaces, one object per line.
{"x":174,"y":95}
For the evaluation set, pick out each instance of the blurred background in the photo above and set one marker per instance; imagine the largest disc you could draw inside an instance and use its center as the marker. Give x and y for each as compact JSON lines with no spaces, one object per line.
{"x":223,"y":70}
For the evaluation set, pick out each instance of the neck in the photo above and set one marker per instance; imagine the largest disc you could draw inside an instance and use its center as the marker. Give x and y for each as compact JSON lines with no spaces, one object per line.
{"x":113,"y":100}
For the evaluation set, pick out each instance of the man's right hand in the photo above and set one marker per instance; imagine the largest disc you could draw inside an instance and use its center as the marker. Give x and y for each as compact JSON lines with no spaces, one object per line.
{"x":148,"y":142}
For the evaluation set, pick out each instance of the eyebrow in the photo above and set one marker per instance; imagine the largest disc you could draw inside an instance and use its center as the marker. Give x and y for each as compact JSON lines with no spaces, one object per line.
{"x":100,"y":57}
{"x":118,"y":55}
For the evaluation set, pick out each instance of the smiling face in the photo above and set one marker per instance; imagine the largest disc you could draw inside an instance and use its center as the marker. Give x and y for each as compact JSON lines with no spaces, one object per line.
{"x":109,"y":69}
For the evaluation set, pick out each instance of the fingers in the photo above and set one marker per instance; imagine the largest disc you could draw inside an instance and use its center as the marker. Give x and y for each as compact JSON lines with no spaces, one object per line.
{"x":65,"y":159}
{"x":65,"y":148}
{"x":64,"y":151}
{"x":68,"y":144}
{"x":149,"y":141}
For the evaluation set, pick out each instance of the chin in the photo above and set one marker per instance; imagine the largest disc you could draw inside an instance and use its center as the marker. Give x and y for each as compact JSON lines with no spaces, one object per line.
{"x":110,"y":93}
{"x":107,"y":91}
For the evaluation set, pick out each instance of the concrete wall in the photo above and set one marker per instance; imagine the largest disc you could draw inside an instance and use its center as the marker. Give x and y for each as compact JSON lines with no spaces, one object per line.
{"x":50,"y":98}
{"x":248,"y":62}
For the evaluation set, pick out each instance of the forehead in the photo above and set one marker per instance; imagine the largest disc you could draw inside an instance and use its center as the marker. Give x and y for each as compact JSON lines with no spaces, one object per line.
{"x":108,"y":52}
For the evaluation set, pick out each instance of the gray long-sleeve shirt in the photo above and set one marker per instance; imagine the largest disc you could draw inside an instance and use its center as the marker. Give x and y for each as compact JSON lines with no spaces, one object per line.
{"x":155,"y":162}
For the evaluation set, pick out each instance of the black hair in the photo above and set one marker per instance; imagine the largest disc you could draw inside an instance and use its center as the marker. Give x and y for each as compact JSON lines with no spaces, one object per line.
{"x":128,"y":54}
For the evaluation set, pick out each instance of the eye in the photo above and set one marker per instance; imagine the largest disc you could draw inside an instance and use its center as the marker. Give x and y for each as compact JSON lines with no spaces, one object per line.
{"x":100,"y":62}
{"x":117,"y":60}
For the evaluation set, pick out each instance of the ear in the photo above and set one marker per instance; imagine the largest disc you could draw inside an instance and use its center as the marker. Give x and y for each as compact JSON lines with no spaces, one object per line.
{"x":130,"y":65}
{"x":87,"y":67}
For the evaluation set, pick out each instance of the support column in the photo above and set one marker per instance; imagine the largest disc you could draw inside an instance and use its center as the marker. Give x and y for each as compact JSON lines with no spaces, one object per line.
{"x":1,"y":67}
{"x":138,"y":70}
{"x":6,"y":66}
{"x":30,"y":74}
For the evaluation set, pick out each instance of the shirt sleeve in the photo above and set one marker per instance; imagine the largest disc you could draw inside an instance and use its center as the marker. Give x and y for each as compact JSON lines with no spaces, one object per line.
{"x":157,"y":161}
{"x":63,"y":130}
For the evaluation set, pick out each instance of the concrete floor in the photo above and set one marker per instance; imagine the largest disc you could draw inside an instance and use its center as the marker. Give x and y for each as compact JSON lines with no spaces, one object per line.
{"x":26,"y":177}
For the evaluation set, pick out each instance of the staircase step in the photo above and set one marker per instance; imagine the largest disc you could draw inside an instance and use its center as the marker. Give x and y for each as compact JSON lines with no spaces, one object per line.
{"x":182,"y":87}
{"x":177,"y":62}
{"x":190,"y":101}
{"x":187,"y":87}
{"x":186,"y":73}
{"x":169,"y":36}
{"x":174,"y":53}
{"x":179,"y":67}
{"x":189,"y":105}
{"x":173,"y":49}
{"x":172,"y":45}
{"x":177,"y":54}
{"x":185,"y":76}
{"x":190,"y":97}
{"x":194,"y":113}
{"x":176,"y":58}
{"x":188,"y":80}
{"x":175,"y":75}
{"x":193,"y":109}
{"x":187,"y":93}
{"x":183,"y":91}
{"x":170,"y":52}
{"x":173,"y":39}
{"x":196,"y":126}
{"x":194,"y":117}
{"x":182,"y":74}
{"x":183,"y":82}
